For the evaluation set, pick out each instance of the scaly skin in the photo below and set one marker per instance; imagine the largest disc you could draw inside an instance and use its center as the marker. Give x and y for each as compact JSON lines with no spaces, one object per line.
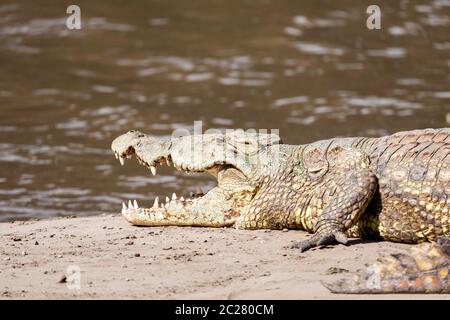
{"x":424,"y":270}
{"x":394,"y":188}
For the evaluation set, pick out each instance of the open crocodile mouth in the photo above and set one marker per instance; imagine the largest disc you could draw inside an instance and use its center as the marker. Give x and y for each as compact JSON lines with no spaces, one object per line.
{"x":174,"y":203}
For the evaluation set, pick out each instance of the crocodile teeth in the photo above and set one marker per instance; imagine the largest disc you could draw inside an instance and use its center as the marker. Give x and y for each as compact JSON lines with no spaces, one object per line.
{"x":124,"y":207}
{"x":182,"y":198}
{"x":135,"y":205}
{"x":153,"y":170}
{"x":168,"y":162}
{"x":130,"y":205}
{"x":156,"y":204}
{"x":167,"y":200}
{"x":117,"y":155}
{"x":174,"y":196}
{"x":122,"y":161}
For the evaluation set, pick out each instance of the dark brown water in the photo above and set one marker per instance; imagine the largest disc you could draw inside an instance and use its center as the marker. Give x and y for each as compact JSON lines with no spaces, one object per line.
{"x":311,"y":69}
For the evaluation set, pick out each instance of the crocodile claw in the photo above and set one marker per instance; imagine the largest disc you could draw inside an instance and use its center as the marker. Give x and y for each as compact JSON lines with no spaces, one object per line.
{"x":321,"y":240}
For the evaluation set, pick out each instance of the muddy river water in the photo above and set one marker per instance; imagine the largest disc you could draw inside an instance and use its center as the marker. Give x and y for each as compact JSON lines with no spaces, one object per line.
{"x":310,"y":69}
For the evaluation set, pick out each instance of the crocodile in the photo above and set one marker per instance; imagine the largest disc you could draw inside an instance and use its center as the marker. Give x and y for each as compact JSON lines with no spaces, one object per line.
{"x":395,"y":187}
{"x":425,"y":269}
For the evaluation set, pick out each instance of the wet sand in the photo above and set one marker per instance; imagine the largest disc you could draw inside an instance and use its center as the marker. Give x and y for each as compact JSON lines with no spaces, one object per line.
{"x":119,"y":261}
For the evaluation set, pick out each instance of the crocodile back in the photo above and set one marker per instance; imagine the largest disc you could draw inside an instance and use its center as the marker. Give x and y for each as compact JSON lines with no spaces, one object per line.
{"x":413,"y":171}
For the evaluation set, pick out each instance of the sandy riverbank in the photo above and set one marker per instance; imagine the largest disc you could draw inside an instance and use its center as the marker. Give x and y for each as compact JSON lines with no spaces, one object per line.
{"x":118,"y":260}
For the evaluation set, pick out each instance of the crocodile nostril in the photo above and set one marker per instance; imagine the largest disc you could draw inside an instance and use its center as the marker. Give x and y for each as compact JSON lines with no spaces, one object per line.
{"x":131,"y":131}
{"x":141,"y":136}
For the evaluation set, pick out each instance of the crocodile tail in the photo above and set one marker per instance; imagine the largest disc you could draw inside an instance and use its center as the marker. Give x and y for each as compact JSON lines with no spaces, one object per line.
{"x":424,"y":270}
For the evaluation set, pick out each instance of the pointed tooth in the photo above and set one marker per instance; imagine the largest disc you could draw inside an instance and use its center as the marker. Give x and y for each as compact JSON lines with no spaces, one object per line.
{"x":191,"y":194}
{"x":122,"y":160}
{"x":124,"y":207}
{"x":130,"y":205}
{"x":168,"y":162}
{"x":156,"y":203}
{"x":174,"y":196}
{"x":167,"y":200}
{"x":182,"y":198}
{"x":117,"y":155}
{"x":135,"y":205}
{"x":199,"y":190}
{"x":153,"y":169}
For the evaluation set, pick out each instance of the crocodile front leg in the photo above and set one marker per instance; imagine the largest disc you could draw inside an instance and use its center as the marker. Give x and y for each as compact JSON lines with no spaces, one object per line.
{"x":352,"y":192}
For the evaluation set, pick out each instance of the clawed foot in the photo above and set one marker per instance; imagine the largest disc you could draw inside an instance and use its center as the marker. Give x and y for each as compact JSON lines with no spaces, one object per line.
{"x":321,"y":240}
